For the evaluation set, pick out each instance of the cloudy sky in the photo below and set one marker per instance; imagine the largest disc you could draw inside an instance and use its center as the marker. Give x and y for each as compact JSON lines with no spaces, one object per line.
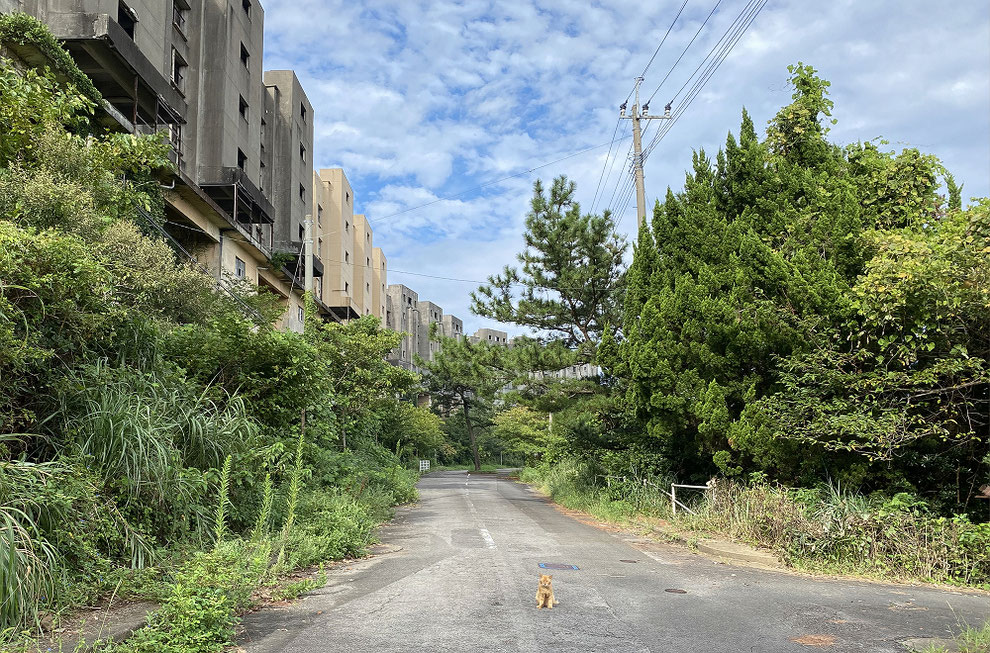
{"x":422,"y":101}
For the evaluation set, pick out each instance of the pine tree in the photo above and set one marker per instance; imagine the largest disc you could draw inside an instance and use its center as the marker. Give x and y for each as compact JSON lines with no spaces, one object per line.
{"x":571,"y":276}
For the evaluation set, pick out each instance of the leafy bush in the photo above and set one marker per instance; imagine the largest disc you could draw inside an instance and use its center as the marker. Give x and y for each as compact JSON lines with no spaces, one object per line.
{"x":199,"y":611}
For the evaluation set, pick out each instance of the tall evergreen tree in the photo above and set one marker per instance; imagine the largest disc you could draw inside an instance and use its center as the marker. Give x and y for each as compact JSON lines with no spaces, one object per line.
{"x":750,"y":263}
{"x":572,"y":272}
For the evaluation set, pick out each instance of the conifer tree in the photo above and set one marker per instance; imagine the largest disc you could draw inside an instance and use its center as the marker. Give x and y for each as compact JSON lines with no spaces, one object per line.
{"x":569,"y":285}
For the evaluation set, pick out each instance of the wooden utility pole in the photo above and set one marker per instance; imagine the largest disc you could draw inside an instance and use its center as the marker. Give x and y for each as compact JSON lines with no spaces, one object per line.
{"x":637,"y":116}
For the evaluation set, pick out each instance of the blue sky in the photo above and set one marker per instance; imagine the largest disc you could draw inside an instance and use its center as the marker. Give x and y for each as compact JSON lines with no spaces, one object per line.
{"x":421,"y":100}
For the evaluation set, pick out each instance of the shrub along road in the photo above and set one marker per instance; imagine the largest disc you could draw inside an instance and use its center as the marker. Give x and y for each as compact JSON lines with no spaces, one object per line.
{"x":463,"y":571}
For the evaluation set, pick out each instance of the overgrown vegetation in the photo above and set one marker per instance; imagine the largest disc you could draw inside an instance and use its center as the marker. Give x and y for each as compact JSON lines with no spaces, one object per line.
{"x":801,"y":317}
{"x":970,"y":640}
{"x":156,"y":438}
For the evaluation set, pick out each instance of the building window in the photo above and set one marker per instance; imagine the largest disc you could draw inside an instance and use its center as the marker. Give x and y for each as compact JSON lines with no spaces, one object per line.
{"x":347,"y":227}
{"x":245,"y":56}
{"x":347,"y":257}
{"x":367,"y":287}
{"x":178,"y":70}
{"x":347,"y":197}
{"x":240,"y":270}
{"x":368,"y":264}
{"x":301,"y":314}
{"x":242,"y":107}
{"x":302,"y":152}
{"x":347,"y":287}
{"x":302,"y":111}
{"x":246,"y":4}
{"x":319,"y":287}
{"x":302,"y":232}
{"x":319,"y":215}
{"x":180,"y":10}
{"x":302,"y":192}
{"x":126,"y":18}
{"x":241,"y":159}
{"x":264,"y":132}
{"x":319,"y":244}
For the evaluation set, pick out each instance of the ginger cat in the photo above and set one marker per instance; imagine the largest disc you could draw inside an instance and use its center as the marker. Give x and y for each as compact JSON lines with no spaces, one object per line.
{"x":544,"y":593}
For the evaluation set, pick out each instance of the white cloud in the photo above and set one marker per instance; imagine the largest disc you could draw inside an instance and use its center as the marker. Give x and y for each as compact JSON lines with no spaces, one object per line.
{"x":424,"y":99}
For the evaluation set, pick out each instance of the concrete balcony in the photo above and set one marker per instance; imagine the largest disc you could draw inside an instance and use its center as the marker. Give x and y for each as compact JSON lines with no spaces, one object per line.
{"x":135,"y":92}
{"x":237,"y":195}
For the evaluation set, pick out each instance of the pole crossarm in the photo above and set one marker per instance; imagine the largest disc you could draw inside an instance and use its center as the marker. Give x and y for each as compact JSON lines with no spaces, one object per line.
{"x":639,"y":114}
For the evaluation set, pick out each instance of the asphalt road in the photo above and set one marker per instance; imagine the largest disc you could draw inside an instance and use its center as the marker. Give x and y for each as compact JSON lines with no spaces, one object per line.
{"x":462,"y":571}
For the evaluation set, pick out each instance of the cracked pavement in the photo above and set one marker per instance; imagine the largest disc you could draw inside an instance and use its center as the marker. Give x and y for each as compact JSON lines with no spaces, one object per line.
{"x":460,"y":573}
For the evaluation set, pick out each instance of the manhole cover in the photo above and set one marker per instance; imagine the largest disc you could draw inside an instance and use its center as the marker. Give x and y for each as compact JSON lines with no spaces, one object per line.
{"x":557,"y":565}
{"x":675,"y":591}
{"x":632,"y":561}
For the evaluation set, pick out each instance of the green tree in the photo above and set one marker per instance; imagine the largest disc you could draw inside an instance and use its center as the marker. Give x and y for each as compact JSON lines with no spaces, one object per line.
{"x":465,"y":376}
{"x":746,"y":267}
{"x":571,"y":276}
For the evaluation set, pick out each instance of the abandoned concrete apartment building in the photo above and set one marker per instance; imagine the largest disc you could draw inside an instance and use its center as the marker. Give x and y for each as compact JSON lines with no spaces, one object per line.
{"x":242,"y":141}
{"x":243,"y":145}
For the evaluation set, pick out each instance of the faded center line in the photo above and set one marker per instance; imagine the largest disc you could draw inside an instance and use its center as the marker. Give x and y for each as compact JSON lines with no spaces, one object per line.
{"x":485,"y":535}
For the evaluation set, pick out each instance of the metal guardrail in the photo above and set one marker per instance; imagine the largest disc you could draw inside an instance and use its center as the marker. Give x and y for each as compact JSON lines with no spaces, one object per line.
{"x":672,"y":492}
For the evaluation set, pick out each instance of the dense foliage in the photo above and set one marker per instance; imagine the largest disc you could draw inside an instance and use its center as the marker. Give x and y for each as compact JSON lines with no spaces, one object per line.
{"x":807,"y":323}
{"x":811,"y":311}
{"x":143,"y":415}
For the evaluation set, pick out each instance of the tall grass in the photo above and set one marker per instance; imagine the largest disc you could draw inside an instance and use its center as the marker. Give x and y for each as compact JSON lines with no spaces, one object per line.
{"x":146,"y":429}
{"x":827,"y":529}
{"x":27,"y":562}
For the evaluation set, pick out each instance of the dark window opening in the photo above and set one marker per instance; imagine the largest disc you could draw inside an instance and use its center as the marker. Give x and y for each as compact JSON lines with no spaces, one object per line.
{"x":302,"y":111}
{"x":178,"y":70}
{"x":302,"y":232}
{"x":241,"y":159}
{"x":302,"y":152}
{"x":302,"y":192}
{"x":126,"y":18}
{"x":246,"y":4}
{"x":245,"y":56}
{"x":319,"y":215}
{"x":242,"y":107}
{"x":180,"y":10}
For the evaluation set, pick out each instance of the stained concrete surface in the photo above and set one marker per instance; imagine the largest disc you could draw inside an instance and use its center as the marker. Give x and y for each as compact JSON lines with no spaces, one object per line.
{"x":461,"y":576}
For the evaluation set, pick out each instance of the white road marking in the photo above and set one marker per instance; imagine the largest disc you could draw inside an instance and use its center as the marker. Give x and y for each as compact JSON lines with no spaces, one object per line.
{"x":485,"y":535}
{"x":488,"y":538}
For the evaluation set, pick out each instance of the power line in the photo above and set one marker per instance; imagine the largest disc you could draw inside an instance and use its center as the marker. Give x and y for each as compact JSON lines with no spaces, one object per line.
{"x":657,"y":51}
{"x":723,"y":48}
{"x":686,"y":47}
{"x":605,"y":166}
{"x":496,"y":181}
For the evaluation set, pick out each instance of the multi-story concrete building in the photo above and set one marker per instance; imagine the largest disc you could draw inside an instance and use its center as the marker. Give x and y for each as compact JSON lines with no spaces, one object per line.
{"x":491,"y":336}
{"x":379,"y":284}
{"x":193,"y":70}
{"x":355,"y":271}
{"x":429,"y":314}
{"x":453,"y":327}
{"x":404,"y":318}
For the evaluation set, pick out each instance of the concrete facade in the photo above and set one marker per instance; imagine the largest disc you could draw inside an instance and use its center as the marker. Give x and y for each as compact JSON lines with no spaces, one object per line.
{"x":491,"y":336}
{"x":453,"y":327}
{"x":404,"y":318}
{"x":192,"y":69}
{"x":355,"y":271}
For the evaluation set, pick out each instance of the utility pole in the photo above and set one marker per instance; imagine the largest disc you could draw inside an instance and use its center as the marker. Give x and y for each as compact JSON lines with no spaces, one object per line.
{"x":637,"y":116}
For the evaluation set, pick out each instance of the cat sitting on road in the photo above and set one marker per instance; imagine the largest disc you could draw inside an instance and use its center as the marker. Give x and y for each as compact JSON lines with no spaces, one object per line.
{"x":544,"y":593}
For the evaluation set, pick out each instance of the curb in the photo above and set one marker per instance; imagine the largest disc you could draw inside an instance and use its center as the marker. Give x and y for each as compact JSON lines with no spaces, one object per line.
{"x":729,"y":551}
{"x":116,"y":624}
